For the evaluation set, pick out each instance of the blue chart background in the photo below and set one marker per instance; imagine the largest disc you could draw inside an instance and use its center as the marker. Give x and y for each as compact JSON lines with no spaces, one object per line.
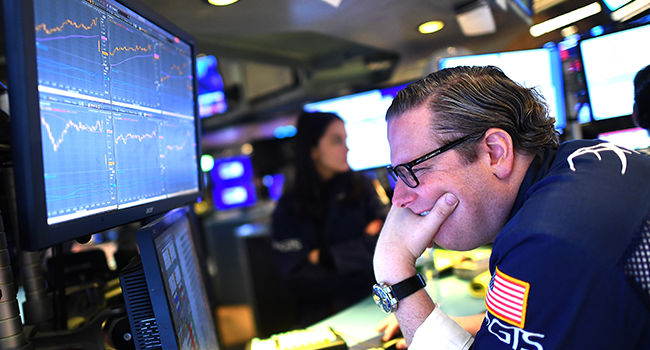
{"x":178,"y":147}
{"x":133,"y":66}
{"x":138,"y":158}
{"x":76,"y":159}
{"x":69,"y":54}
{"x":175,"y":79}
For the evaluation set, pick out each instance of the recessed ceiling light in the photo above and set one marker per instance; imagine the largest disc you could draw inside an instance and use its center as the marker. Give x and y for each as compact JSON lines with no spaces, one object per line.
{"x":430,"y":27}
{"x":221,"y":2}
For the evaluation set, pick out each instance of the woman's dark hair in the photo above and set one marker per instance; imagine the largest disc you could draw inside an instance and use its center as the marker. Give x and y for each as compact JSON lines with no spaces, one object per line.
{"x":470,"y":100}
{"x":308,"y":187}
{"x":642,"y":97}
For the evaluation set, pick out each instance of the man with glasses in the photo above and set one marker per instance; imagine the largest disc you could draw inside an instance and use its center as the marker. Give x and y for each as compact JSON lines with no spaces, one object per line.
{"x":570,"y":222}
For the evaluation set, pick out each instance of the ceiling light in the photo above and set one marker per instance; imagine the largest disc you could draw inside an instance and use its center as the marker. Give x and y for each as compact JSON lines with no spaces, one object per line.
{"x":221,"y":2}
{"x":565,"y":19}
{"x":630,"y":10}
{"x":430,"y":27}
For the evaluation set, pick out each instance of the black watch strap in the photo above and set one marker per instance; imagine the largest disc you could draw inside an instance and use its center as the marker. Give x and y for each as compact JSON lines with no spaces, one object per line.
{"x":408,"y":286}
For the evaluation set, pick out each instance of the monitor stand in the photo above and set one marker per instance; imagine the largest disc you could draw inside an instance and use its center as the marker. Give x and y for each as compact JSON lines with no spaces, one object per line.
{"x":15,"y":336}
{"x":89,"y":336}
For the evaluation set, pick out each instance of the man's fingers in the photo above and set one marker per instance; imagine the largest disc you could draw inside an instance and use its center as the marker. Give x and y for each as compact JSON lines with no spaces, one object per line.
{"x":401,"y":344}
{"x":385,"y":323}
{"x":443,"y":208}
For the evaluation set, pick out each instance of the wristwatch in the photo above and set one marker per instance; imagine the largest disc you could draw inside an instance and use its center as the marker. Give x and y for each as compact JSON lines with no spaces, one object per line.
{"x":387,"y":296}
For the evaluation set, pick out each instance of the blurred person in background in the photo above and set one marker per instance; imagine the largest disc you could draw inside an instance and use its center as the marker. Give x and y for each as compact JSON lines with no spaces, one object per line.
{"x":326,"y":224}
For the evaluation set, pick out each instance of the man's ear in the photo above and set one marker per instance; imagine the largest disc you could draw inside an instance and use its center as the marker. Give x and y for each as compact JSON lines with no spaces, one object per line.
{"x":500,"y":151}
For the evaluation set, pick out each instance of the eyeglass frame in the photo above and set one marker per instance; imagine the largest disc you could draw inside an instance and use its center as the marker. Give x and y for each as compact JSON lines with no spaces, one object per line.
{"x":409,"y":166}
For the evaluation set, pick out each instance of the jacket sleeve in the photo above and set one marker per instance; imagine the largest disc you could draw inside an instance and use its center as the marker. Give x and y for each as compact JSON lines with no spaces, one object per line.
{"x":354,"y":252}
{"x":292,"y":241}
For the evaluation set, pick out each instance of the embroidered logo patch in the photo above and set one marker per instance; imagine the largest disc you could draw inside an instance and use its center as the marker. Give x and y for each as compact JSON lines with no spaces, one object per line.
{"x":596,"y":150}
{"x":507,"y":298}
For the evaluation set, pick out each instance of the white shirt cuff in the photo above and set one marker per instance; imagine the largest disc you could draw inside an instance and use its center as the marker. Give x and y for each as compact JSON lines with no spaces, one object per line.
{"x":439,"y":331}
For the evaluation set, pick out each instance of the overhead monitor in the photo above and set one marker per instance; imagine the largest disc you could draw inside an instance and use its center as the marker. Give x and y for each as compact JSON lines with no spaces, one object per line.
{"x":537,"y":68}
{"x":364,"y":115}
{"x":104,"y":116}
{"x":610,"y":63}
{"x":164,"y":289}
{"x":212,"y":98}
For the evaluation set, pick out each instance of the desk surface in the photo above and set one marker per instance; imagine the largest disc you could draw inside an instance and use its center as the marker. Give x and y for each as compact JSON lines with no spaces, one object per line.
{"x":356,"y":324}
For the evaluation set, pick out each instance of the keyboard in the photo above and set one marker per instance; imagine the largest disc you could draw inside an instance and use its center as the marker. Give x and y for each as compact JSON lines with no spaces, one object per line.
{"x":316,"y":338}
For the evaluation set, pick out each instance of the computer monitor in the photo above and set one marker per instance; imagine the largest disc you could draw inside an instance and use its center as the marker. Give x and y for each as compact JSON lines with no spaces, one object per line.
{"x":164,"y":289}
{"x":233,"y":183}
{"x":610,"y":63}
{"x":632,"y":138}
{"x":364,"y":115}
{"x":212,"y":98}
{"x":538,"y":68}
{"x":104,"y":118}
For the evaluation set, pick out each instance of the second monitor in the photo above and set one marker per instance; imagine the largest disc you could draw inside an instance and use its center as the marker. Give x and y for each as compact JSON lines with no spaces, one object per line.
{"x":164,"y":289}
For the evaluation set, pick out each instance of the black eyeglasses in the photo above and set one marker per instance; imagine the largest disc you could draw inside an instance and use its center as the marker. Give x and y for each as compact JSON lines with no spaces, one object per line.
{"x":405,"y":171}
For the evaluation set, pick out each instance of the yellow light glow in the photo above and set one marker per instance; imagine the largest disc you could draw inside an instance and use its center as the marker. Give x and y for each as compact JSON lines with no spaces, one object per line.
{"x":565,"y":19}
{"x":430,"y":27}
{"x":568,"y":31}
{"x":221,"y":2}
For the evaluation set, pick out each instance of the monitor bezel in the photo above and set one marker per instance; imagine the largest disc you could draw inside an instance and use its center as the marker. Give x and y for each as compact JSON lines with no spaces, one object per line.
{"x":34,"y":231}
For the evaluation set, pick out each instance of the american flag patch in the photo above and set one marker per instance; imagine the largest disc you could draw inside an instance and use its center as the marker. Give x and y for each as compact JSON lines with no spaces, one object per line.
{"x":507,"y":298}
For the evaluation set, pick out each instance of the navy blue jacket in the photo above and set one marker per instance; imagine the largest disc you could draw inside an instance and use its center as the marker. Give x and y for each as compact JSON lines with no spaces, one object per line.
{"x":349,"y":251}
{"x":570,"y":268}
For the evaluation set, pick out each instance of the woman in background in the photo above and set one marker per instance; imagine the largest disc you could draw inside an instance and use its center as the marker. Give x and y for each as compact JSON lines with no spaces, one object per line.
{"x":326,"y":224}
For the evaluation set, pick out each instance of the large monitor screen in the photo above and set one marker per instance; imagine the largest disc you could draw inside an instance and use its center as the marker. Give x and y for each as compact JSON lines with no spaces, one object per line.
{"x":104,"y":116}
{"x":176,"y":292}
{"x":610,"y":63}
{"x":538,"y":68}
{"x":364,"y":115}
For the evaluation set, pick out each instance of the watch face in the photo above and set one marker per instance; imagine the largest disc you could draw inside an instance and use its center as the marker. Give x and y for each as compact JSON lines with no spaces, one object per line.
{"x":383,"y":298}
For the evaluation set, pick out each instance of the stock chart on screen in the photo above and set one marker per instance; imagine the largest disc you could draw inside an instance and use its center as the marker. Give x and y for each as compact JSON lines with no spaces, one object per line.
{"x":117,"y":109}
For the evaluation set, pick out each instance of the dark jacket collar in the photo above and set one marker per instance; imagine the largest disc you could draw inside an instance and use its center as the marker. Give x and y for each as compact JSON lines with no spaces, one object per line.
{"x":537,"y":170}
